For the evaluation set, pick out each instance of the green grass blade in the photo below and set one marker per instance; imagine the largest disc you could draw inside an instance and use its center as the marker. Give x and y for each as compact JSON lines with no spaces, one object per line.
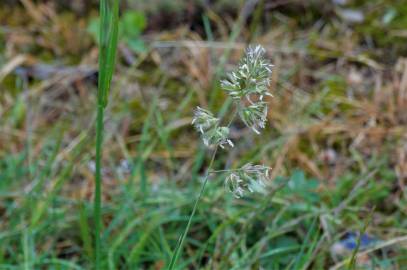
{"x":43,"y":205}
{"x":85,"y":230}
{"x":107,"y":52}
{"x":308,"y":242}
{"x":352,"y":263}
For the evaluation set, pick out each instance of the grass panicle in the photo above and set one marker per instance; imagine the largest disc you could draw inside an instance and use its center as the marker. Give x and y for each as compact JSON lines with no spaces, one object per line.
{"x":250,"y":80}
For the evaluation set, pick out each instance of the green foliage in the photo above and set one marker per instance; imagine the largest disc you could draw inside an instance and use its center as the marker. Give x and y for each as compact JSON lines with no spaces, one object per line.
{"x":152,"y":165}
{"x":131,"y":26}
{"x":301,"y":187}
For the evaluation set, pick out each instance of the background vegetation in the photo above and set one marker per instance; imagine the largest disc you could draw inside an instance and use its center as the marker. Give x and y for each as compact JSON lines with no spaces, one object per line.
{"x":336,"y":135}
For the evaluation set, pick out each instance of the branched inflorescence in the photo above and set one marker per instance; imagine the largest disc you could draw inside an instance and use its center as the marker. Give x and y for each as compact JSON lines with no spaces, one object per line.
{"x":247,"y":86}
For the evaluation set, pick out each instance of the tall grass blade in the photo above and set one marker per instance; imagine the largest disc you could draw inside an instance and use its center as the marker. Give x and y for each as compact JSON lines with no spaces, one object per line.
{"x":109,"y":17}
{"x":85,"y":230}
{"x":309,"y":242}
{"x":352,"y":262}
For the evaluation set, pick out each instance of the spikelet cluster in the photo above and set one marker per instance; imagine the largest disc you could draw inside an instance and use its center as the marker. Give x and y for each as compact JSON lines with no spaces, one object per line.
{"x":254,"y":115}
{"x":208,"y":125}
{"x":248,"y":84}
{"x":250,"y":178}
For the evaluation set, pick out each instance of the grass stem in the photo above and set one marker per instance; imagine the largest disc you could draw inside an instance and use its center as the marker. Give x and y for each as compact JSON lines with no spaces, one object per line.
{"x":109,"y":19}
{"x":178,"y":249}
{"x":98,"y":188}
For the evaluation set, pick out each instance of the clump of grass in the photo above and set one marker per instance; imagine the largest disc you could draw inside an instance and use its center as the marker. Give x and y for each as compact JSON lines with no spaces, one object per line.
{"x":247,"y":86}
{"x":323,"y":109}
{"x":109,"y":14}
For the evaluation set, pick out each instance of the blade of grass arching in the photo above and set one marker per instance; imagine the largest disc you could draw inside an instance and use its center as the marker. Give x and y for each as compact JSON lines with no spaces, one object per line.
{"x":256,"y":19}
{"x":164,"y":135}
{"x":164,"y":130}
{"x":246,"y":261}
{"x":27,"y":248}
{"x":85,"y":231}
{"x":22,"y":82}
{"x":146,"y":233}
{"x":237,"y":27}
{"x":56,"y":263}
{"x":129,"y":193}
{"x":14,"y":168}
{"x":119,"y":239}
{"x":3,"y":252}
{"x":10,"y":165}
{"x":197,"y":164}
{"x":163,"y":243}
{"x":258,"y":209}
{"x":125,"y":232}
{"x":308,"y":242}
{"x":109,"y":18}
{"x":32,"y":198}
{"x":40,"y":208}
{"x":55,"y":145}
{"x":144,"y":148}
{"x":207,"y":27}
{"x":352,"y":262}
{"x":226,"y":106}
{"x":253,"y":254}
{"x":183,"y":105}
{"x":274,"y":146}
{"x":311,"y":249}
{"x":279,"y":251}
{"x":157,"y":245}
{"x":220,"y":228}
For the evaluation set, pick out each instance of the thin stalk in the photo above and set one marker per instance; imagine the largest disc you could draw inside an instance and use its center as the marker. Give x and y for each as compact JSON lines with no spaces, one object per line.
{"x":98,"y":188}
{"x":209,"y":171}
{"x":180,"y":243}
{"x":352,"y":263}
{"x":247,"y":223}
{"x":109,"y":17}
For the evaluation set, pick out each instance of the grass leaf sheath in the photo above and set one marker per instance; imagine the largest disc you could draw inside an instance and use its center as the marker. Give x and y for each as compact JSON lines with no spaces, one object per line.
{"x":109,"y":16}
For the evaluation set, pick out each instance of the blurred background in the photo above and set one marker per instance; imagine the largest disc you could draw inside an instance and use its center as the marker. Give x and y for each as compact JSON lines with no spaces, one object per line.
{"x":336,"y":134}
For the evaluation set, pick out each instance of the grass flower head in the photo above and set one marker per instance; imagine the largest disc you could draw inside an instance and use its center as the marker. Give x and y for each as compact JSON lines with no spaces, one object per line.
{"x":254,"y":115}
{"x":249,"y":178}
{"x":251,"y":77}
{"x":248,"y":85}
{"x":208,"y":125}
